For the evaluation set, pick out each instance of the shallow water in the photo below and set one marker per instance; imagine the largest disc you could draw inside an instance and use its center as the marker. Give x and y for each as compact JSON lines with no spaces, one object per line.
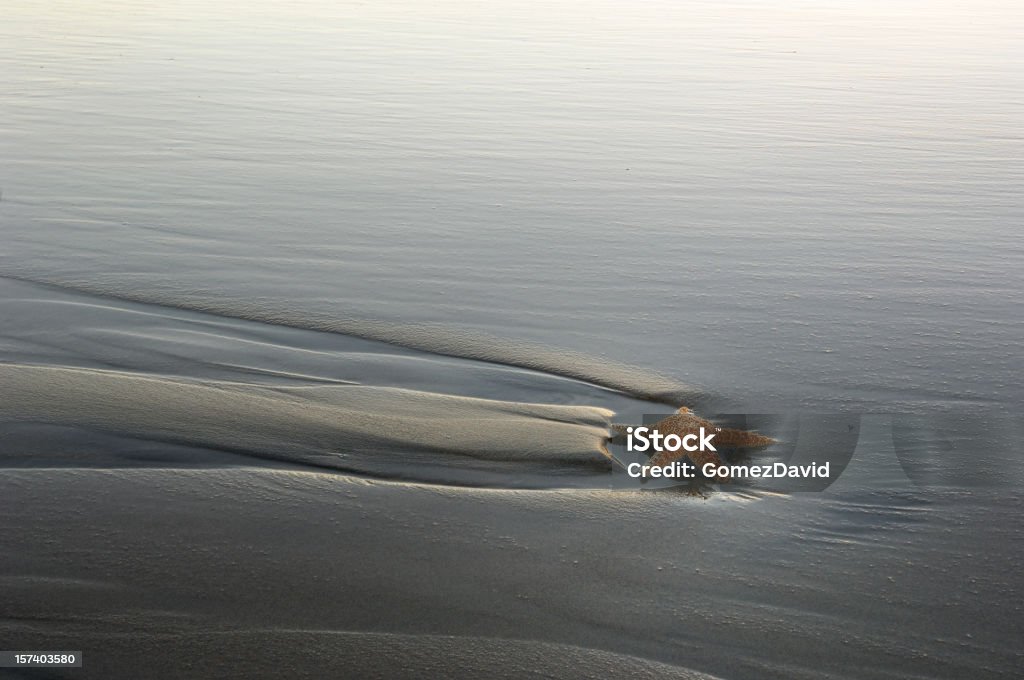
{"x":329,"y":306}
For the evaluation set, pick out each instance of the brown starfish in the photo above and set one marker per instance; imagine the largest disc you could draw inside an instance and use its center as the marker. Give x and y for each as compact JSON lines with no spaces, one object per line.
{"x":684,"y":422}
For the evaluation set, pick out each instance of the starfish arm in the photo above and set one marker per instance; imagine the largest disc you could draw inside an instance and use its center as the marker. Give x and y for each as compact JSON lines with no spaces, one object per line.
{"x":742,"y":438}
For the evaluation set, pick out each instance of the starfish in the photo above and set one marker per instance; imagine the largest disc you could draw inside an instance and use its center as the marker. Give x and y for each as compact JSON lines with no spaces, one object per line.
{"x":684,"y":422}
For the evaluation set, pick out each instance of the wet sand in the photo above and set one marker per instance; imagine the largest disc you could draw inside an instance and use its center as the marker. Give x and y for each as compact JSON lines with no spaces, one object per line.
{"x":261,"y":521}
{"x":314,"y":317}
